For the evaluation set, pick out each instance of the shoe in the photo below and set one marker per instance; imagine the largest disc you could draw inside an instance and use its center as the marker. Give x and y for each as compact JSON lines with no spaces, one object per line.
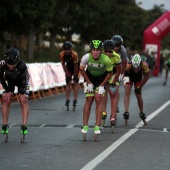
{"x":97,"y":130}
{"x":74,"y":102}
{"x":24,"y":130}
{"x":5,"y":129}
{"x":84,"y":129}
{"x":104,"y":115}
{"x":164,"y":84}
{"x":67,"y":102}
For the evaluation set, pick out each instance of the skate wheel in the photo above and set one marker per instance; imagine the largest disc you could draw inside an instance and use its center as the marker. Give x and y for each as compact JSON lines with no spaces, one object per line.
{"x":95,"y":137}
{"x":74,"y":108}
{"x":22,"y":138}
{"x":113,"y":128}
{"x":6,"y":138}
{"x":145,"y":123}
{"x":103,"y":123}
{"x":84,"y":136}
{"x":126,"y":122}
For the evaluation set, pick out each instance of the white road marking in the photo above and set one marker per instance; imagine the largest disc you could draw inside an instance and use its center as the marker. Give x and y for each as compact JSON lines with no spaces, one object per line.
{"x":70,"y":126}
{"x":165,"y":130}
{"x":93,"y":163}
{"x":12,"y":125}
{"x":42,"y":125}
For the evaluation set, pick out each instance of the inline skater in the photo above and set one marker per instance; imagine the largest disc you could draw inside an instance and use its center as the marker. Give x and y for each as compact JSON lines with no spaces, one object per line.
{"x":14,"y":73}
{"x":96,"y":69}
{"x":137,"y":73}
{"x":121,"y":50}
{"x":112,"y":88}
{"x":70,"y":62}
{"x":167,"y":68}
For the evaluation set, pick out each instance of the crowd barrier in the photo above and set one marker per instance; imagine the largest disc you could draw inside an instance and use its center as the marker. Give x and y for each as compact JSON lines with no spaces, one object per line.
{"x":45,"y":78}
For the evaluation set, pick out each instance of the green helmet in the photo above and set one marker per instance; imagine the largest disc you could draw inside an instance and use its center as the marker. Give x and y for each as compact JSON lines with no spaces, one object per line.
{"x":96,"y":44}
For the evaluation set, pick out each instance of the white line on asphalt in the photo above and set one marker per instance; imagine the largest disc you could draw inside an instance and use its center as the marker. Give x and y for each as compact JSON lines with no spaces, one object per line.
{"x":42,"y":125}
{"x":70,"y":126}
{"x":165,"y":130}
{"x":12,"y":125}
{"x":93,"y":163}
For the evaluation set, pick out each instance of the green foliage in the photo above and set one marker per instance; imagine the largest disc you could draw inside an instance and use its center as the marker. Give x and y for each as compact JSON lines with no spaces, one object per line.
{"x":91,"y":19}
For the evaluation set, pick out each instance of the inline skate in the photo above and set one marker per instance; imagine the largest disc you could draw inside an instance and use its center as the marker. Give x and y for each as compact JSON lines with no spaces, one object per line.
{"x":23,"y":132}
{"x":84,"y":130}
{"x":126,"y":117}
{"x":67,"y":104}
{"x":97,"y":131}
{"x":104,"y":116}
{"x":74,"y":104}
{"x":143,"y":117}
{"x":5,"y":132}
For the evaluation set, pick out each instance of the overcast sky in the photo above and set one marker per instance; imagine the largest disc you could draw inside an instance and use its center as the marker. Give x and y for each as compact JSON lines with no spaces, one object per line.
{"x":148,"y":4}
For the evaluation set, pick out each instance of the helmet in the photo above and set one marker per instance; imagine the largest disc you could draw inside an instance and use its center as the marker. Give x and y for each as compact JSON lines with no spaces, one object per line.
{"x":108,"y":44}
{"x":67,"y":45}
{"x":96,"y":44}
{"x":118,"y":40}
{"x":12,"y":56}
{"x":136,"y":60}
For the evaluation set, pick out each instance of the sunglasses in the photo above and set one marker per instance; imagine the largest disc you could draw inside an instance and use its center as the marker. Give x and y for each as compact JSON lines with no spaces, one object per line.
{"x":67,"y":49}
{"x":106,"y":51}
{"x":11,"y":65}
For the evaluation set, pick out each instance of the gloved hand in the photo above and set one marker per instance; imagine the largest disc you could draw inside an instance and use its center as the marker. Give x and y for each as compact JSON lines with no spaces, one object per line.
{"x":101,"y":89}
{"x":2,"y":62}
{"x":90,"y":87}
{"x":113,"y":88}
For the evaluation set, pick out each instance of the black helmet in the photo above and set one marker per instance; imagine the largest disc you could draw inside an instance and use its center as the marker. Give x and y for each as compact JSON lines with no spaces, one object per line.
{"x":96,"y":44}
{"x":67,"y":45}
{"x":12,"y":56}
{"x":109,"y":45}
{"x":118,"y":40}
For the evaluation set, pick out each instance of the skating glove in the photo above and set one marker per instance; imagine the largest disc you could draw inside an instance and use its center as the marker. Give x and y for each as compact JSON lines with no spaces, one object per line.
{"x":101,"y":89}
{"x":2,"y":62}
{"x":113,"y":88}
{"x":90,"y":87}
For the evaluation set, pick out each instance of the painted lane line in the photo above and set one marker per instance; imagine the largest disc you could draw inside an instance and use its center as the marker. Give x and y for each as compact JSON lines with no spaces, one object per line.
{"x":42,"y":125}
{"x":93,"y":163}
{"x":12,"y":125}
{"x":165,"y":130}
{"x":70,"y":126}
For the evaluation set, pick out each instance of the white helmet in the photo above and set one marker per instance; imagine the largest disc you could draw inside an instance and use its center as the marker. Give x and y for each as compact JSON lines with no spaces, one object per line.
{"x":136,"y":60}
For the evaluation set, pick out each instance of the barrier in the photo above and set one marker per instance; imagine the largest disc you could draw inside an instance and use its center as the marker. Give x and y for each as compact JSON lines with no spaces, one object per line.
{"x":45,"y":78}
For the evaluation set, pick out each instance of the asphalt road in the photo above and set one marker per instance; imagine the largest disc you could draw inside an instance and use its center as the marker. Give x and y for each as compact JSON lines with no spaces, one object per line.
{"x":54,"y":141}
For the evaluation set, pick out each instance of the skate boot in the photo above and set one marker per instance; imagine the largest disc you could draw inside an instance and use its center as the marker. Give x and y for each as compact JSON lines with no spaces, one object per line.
{"x":5,"y":129}
{"x":84,"y":130}
{"x":126,"y":117}
{"x":67,"y":104}
{"x":97,"y":131}
{"x":24,"y":130}
{"x":5,"y":132}
{"x":143,"y":117}
{"x":113,"y":123}
{"x":104,"y":116}
{"x":164,"y":84}
{"x":74,"y":104}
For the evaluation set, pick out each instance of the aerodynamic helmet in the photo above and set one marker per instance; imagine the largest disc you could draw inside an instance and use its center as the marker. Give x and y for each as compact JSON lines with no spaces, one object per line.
{"x":108,"y":45}
{"x":96,"y":44}
{"x":118,"y":40}
{"x":67,"y":45}
{"x":12,"y":56}
{"x":136,"y":60}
